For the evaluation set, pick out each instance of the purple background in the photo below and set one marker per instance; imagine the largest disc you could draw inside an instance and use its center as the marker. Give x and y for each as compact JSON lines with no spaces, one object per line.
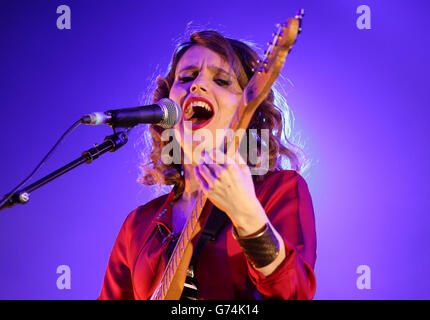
{"x":360,"y":99}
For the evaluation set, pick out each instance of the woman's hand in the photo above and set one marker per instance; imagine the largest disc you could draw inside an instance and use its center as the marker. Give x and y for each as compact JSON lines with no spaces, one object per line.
{"x":228,"y":184}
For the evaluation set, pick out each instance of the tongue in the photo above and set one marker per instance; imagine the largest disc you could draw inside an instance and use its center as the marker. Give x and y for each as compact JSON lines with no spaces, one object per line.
{"x":196,"y":115}
{"x":197,"y":120}
{"x":189,"y":113}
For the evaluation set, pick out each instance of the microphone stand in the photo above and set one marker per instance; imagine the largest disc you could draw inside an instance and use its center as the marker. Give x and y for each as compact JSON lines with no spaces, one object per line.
{"x":111,"y":143}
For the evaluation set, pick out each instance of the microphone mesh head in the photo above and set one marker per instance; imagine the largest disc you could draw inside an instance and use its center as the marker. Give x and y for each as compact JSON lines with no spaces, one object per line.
{"x":173,"y":113}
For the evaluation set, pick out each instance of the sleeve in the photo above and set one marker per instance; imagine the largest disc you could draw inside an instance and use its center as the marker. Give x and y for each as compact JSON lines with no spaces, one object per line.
{"x":290,"y":211}
{"x":117,"y":284}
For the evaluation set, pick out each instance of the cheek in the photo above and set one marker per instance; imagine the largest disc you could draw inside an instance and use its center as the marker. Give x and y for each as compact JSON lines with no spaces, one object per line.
{"x":229,"y":103}
{"x":179,"y":132}
{"x":177,"y":94}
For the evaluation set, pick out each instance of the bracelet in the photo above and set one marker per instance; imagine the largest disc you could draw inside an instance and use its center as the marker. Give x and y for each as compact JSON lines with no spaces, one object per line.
{"x":261,"y":249}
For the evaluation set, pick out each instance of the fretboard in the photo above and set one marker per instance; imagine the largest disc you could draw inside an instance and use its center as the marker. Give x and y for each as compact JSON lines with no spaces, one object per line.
{"x":188,"y":233}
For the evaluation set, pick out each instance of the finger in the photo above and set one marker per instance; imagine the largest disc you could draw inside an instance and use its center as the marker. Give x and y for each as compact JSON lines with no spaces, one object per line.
{"x":207,"y":174}
{"x":211,"y":162}
{"x":206,"y":161}
{"x":239,"y":160}
{"x":236,"y":159}
{"x":201,"y":180}
{"x":218,"y":157}
{"x":226,"y":158}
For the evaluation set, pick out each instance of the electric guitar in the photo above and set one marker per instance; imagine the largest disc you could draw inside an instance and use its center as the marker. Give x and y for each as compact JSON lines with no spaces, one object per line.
{"x":265,"y":74}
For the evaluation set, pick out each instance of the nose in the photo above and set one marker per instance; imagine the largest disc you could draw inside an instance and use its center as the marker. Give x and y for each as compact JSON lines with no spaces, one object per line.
{"x":198,"y":84}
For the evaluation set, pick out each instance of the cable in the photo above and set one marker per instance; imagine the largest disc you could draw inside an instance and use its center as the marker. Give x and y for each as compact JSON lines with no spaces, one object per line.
{"x":73,"y":127}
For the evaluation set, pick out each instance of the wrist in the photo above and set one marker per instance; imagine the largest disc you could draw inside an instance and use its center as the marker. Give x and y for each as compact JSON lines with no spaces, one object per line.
{"x":261,"y":248}
{"x":249,"y":219}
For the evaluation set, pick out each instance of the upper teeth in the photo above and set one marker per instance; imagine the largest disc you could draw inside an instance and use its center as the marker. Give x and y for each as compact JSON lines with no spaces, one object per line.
{"x":200,"y":104}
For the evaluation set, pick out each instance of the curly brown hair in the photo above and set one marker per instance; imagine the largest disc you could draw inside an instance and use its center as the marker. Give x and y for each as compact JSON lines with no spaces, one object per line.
{"x":242,"y":59}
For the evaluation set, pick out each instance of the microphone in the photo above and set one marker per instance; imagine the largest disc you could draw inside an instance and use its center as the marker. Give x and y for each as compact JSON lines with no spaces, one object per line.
{"x":165,"y":113}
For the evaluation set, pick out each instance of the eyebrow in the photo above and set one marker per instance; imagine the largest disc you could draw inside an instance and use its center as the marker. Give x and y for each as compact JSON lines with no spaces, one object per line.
{"x":211,"y":68}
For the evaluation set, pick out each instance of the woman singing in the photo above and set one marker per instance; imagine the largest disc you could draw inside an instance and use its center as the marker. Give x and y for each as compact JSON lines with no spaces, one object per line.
{"x":266,"y":248}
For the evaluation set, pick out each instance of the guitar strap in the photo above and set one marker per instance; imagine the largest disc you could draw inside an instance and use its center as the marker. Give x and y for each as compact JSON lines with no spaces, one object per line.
{"x":213,"y":226}
{"x":215,"y":223}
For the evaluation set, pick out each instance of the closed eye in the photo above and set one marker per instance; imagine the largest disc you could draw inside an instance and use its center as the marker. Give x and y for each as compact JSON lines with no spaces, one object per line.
{"x":222,"y":82}
{"x":186,"y":79}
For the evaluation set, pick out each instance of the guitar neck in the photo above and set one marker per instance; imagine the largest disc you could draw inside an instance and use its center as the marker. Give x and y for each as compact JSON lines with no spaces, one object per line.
{"x":181,"y":255}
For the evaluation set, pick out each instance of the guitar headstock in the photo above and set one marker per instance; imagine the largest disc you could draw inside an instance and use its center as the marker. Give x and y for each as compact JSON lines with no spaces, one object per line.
{"x":283,"y":38}
{"x":265,"y":73}
{"x":267,"y":70}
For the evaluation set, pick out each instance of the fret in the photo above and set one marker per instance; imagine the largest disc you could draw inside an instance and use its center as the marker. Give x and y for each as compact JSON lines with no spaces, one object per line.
{"x":195,"y":215}
{"x":163,"y":285}
{"x":182,"y":246}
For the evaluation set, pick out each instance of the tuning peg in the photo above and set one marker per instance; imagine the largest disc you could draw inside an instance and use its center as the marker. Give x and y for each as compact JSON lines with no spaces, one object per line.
{"x":299,"y":31}
{"x":259,"y":69}
{"x":254,"y":68}
{"x":300,"y":14}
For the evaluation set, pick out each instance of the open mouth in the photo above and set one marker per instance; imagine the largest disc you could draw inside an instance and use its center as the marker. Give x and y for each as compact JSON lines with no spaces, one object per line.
{"x":199,"y":111}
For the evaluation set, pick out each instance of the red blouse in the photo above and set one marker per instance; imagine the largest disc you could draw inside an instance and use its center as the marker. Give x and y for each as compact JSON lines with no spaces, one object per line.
{"x":139,"y":255}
